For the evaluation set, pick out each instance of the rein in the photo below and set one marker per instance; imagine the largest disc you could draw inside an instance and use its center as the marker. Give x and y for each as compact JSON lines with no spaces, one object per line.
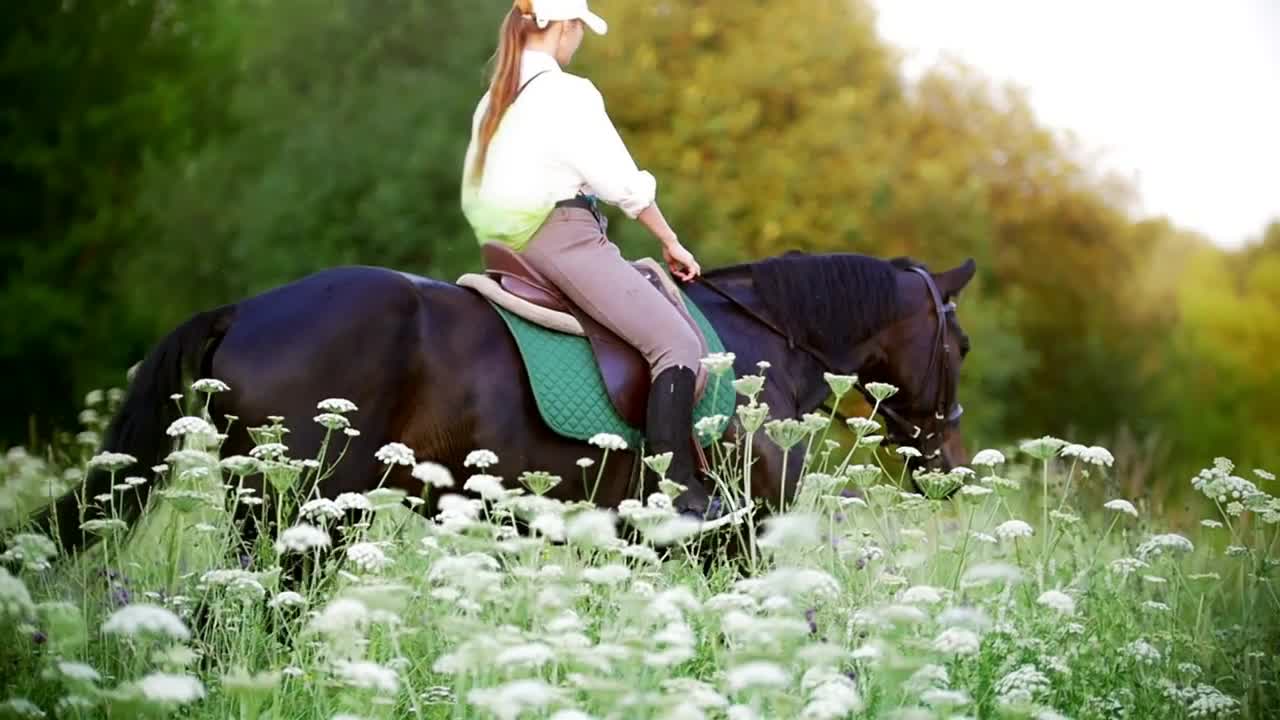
{"x":910,"y":431}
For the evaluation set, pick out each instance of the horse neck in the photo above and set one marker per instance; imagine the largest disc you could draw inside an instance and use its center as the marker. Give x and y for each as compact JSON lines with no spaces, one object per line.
{"x":795,"y":375}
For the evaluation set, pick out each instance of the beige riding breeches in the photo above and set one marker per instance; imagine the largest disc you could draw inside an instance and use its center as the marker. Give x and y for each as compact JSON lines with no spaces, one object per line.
{"x":573,"y":252}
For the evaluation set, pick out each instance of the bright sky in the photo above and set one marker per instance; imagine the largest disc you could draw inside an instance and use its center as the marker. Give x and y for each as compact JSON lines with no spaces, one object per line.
{"x":1182,"y":96}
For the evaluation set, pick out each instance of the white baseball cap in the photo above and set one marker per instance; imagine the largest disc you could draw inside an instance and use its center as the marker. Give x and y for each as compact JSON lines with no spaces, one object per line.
{"x":547,"y":11}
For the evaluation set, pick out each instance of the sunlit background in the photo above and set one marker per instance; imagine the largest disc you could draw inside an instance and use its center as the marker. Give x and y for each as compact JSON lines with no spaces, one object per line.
{"x":163,"y":156}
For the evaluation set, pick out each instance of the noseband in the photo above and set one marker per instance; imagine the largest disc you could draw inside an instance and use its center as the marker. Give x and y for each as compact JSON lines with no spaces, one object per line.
{"x":903,"y":431}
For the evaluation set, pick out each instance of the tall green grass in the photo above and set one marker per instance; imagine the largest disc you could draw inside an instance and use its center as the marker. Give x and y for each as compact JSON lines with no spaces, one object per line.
{"x":1017,"y":589}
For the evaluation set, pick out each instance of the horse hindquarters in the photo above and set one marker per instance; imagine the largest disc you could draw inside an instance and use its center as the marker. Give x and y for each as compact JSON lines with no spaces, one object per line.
{"x":337,"y":334}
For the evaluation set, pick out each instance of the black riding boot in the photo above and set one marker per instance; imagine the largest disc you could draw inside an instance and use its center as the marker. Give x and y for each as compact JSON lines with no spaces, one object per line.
{"x":669,"y":428}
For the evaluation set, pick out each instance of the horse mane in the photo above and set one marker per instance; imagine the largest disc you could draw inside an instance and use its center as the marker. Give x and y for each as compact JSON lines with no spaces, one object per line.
{"x":836,"y":300}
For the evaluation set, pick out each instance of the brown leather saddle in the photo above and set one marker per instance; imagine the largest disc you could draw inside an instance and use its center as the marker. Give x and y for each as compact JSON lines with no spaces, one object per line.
{"x":623,"y":368}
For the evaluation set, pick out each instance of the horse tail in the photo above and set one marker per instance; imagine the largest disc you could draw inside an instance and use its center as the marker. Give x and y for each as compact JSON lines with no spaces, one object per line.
{"x":138,"y":429}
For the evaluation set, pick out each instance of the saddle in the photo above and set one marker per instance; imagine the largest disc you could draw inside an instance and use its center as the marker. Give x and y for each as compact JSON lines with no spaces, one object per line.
{"x":513,"y":284}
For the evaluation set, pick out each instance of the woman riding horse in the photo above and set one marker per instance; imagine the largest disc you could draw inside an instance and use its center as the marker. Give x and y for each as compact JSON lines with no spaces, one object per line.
{"x":542,"y":149}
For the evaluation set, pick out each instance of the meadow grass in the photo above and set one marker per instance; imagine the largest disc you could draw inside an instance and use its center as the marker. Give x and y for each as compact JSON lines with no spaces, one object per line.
{"x":1019,"y":588}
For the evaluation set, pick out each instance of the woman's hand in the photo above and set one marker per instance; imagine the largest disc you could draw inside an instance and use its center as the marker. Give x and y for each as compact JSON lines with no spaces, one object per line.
{"x":680,"y":261}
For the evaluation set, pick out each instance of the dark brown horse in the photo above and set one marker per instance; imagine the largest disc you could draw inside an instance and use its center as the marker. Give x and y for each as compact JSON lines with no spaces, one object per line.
{"x":432,"y":365}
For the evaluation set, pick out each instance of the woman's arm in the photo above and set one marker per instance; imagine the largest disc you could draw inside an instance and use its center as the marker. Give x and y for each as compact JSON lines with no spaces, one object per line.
{"x":679,"y":259}
{"x":653,"y":221}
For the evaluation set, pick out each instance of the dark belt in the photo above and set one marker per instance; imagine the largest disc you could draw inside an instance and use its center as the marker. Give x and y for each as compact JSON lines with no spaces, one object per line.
{"x":580,"y":201}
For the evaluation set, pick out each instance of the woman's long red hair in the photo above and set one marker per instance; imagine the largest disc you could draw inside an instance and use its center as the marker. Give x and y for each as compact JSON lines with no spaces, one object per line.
{"x":506,"y":77}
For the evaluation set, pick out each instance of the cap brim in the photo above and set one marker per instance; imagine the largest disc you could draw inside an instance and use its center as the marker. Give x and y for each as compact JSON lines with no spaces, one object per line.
{"x":595,"y":22}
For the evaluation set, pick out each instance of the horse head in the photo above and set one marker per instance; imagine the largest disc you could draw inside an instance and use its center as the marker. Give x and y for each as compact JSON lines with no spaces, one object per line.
{"x":921,"y":354}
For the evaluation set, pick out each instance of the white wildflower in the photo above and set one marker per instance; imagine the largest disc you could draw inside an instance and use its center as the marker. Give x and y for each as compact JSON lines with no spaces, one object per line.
{"x":921,"y":595}
{"x":592,"y":528}
{"x":1205,"y":701}
{"x":1143,"y":652}
{"x":531,"y":655}
{"x":269,"y":451}
{"x":367,"y":675}
{"x":550,"y":526}
{"x":336,"y":405}
{"x":488,"y":487}
{"x":880,"y":391}
{"x":988,"y":458}
{"x":1022,"y":685}
{"x":1042,"y":448}
{"x":332,"y":421}
{"x":718,"y":363}
{"x":958,"y":641}
{"x":1010,"y":529}
{"x":1094,"y":455}
{"x":988,"y":573}
{"x":510,"y":701}
{"x":482,"y":459}
{"x":239,"y":465}
{"x":434,"y":474}
{"x":607,"y":575}
{"x":288,"y":598}
{"x":111,"y":461}
{"x":943,"y":698}
{"x":759,"y":674}
{"x":191,"y":425}
{"x":929,"y":676}
{"x":901,"y":615}
{"x":302,"y":538}
{"x":32,"y":550}
{"x":352,"y":501}
{"x":1119,"y":505}
{"x":395,"y":454}
{"x":368,"y":557}
{"x":341,"y":617}
{"x":1127,"y":565}
{"x":608,"y":441}
{"x":321,"y":509}
{"x":964,"y":617}
{"x":1058,"y":601}
{"x":171,"y":689}
{"x":210,"y":385}
{"x":792,"y":530}
{"x":1160,"y":543}
{"x":144,"y":619}
{"x":79,"y":672}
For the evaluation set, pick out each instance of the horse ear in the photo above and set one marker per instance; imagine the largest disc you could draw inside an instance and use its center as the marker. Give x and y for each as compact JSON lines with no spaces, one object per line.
{"x":951,"y":282}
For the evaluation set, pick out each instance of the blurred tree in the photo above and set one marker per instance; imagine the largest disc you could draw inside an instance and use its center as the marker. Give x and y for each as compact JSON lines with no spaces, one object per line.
{"x":353,"y":119}
{"x":90,"y":89}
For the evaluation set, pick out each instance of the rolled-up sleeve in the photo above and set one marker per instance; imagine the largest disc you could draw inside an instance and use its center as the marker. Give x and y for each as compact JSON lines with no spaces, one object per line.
{"x":596,"y":151}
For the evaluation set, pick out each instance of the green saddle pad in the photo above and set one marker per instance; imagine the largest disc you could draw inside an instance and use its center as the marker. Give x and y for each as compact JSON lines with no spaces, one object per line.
{"x":570,"y":391}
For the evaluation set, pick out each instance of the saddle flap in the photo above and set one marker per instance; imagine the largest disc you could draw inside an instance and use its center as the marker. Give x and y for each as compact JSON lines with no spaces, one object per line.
{"x":538,"y":295}
{"x":519,"y":278}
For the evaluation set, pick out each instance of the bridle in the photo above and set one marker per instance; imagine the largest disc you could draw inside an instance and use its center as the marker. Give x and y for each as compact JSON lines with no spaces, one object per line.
{"x":943,"y":416}
{"x":899,"y":430}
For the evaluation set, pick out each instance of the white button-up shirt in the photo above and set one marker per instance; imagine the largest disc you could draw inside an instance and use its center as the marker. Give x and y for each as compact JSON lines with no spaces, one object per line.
{"x":554,"y":142}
